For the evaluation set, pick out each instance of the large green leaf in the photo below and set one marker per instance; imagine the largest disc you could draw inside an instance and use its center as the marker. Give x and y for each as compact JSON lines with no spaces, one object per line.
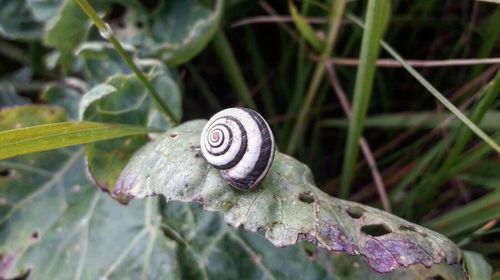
{"x":288,"y":207}
{"x":177,"y":30}
{"x":124,"y":99}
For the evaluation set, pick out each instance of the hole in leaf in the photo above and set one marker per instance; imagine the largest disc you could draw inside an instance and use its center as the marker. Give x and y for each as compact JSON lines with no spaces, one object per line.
{"x":174,"y":134}
{"x":407,"y":228}
{"x":437,"y":277}
{"x":306,"y":197}
{"x":35,"y":235}
{"x":376,"y":230}
{"x":355,"y":212}
{"x":412,"y":228}
{"x":6,"y":173}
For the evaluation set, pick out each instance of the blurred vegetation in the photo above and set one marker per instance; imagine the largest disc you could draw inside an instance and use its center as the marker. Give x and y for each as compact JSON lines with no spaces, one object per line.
{"x":272,"y":56}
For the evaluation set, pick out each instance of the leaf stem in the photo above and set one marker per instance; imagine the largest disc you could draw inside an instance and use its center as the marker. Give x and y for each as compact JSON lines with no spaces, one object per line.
{"x":335,"y":18}
{"x":106,"y":32}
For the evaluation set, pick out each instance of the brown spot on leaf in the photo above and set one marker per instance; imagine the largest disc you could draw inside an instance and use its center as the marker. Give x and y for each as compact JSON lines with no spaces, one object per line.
{"x":174,"y":135}
{"x":379,"y":257}
{"x":199,"y":199}
{"x":196,"y":150}
{"x":335,"y":239}
{"x":385,"y":255}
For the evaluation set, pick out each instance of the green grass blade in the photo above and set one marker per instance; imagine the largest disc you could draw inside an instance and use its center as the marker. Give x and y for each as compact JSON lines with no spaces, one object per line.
{"x":377,"y":16}
{"x":440,"y":97}
{"x":488,"y":100}
{"x":468,"y":217}
{"x":39,"y":138}
{"x":305,"y":28}
{"x":204,"y":88}
{"x":423,"y":120}
{"x":472,"y":126}
{"x":335,"y":19}
{"x":231,"y":68}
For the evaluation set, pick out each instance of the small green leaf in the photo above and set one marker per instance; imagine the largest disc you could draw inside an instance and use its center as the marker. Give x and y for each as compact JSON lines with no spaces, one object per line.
{"x":9,"y":96}
{"x":288,"y":207}
{"x":53,"y":136}
{"x":63,"y":96}
{"x":17,"y":21}
{"x":476,"y":266}
{"x":67,"y":31}
{"x":305,"y":28}
{"x":101,"y":61}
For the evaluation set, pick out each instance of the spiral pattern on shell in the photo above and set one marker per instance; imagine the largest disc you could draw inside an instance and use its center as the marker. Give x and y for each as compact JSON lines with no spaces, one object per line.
{"x":240,"y":143}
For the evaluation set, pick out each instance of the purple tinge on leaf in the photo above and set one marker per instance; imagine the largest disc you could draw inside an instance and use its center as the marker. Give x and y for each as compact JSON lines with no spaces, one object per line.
{"x":166,"y":166}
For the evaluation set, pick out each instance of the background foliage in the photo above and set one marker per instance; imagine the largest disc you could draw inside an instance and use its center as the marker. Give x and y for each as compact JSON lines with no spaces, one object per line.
{"x":201,"y":56}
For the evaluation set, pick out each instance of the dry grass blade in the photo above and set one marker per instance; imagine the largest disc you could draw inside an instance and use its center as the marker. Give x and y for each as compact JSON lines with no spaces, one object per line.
{"x":365,"y":148}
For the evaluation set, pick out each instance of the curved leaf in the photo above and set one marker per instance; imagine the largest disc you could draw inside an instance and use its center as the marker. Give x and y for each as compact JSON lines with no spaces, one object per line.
{"x":17,"y":21}
{"x":67,"y":31}
{"x":179,"y":30}
{"x":124,"y":99}
{"x":288,"y":207}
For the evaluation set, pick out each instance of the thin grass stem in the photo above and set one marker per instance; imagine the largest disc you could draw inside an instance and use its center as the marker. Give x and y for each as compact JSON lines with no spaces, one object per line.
{"x":335,"y":18}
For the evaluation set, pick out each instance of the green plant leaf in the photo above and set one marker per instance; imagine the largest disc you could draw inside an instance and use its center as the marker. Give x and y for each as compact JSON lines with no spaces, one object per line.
{"x":304,"y":28}
{"x":179,"y":30}
{"x":30,"y":115}
{"x":477,"y":267}
{"x":101,"y":61}
{"x":9,"y":96}
{"x":63,"y":96}
{"x":288,"y":207}
{"x":124,"y":99}
{"x":56,"y":225}
{"x":17,"y":21}
{"x":67,"y":31}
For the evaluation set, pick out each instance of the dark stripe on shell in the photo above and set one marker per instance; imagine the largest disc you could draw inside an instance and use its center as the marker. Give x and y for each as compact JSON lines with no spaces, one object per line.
{"x":266,"y":154}
{"x":241,"y":151}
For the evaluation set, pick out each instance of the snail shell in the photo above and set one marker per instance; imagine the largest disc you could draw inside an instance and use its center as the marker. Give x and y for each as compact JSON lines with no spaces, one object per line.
{"x":240,"y":143}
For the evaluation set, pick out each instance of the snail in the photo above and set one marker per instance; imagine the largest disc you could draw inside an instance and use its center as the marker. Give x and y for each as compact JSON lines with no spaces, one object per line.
{"x":240,"y":143}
